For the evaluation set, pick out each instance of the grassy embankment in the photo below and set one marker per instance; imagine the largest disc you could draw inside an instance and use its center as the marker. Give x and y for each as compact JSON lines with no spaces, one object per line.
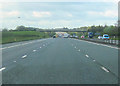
{"x":16,"y":36}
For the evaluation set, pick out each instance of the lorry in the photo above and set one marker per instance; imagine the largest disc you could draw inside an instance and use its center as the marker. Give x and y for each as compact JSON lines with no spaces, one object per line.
{"x":90,"y":34}
{"x":66,"y":35}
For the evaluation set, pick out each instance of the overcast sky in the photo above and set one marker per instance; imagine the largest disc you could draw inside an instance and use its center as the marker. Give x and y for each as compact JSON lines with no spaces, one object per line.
{"x":57,"y":14}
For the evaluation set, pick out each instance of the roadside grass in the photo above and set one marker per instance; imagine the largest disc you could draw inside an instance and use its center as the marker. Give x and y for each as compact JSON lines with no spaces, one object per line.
{"x":117,"y":38}
{"x":17,"y":36}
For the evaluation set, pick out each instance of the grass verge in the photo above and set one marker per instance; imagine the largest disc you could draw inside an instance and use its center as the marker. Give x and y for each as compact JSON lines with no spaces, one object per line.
{"x":17,"y":36}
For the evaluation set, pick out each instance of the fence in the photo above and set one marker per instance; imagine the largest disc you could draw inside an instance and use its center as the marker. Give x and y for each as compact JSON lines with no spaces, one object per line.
{"x":112,"y":42}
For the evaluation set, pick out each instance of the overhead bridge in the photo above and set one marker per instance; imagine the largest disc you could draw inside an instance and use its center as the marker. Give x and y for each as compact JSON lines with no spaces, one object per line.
{"x":61,"y":30}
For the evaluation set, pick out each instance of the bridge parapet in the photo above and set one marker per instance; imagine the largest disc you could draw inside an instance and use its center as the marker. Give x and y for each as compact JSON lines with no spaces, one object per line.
{"x":60,"y":30}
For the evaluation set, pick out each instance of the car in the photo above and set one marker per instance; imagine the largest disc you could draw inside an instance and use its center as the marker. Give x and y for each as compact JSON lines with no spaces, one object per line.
{"x":71,"y":36}
{"x":65,"y":35}
{"x":76,"y":36}
{"x":106,"y":36}
{"x":54,"y":36}
{"x":100,"y":37}
{"x":82,"y":36}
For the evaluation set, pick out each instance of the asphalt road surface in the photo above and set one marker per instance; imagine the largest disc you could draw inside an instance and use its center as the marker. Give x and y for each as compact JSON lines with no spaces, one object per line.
{"x":59,"y":61}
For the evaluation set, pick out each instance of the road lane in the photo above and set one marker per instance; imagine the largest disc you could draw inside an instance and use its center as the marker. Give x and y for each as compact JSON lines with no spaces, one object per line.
{"x":14,"y":53}
{"x":107,"y":56}
{"x":57,"y":61}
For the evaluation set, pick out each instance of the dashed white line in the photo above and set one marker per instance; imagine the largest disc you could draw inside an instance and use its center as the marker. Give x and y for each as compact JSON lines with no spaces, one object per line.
{"x":14,"y":61}
{"x":75,"y":47}
{"x":94,"y":60}
{"x":86,"y":55}
{"x":79,"y":50}
{"x":34,"y":50}
{"x":106,"y":70}
{"x":2,"y":69}
{"x":24,"y":56}
{"x":40,"y":47}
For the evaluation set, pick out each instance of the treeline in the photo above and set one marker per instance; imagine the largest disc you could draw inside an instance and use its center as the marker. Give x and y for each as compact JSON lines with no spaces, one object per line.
{"x":100,"y":29}
{"x":23,"y":28}
{"x":111,"y":30}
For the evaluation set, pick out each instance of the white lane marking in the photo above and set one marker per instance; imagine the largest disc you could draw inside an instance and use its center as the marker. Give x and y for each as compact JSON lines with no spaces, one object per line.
{"x":2,"y":69}
{"x":21,"y":44}
{"x":79,"y":50}
{"x":14,"y":61}
{"x":94,"y":60}
{"x":86,"y":55}
{"x":40,"y":47}
{"x":110,"y":46}
{"x":9,"y":47}
{"x":34,"y":50}
{"x":75,"y":47}
{"x":104,"y":69}
{"x":24,"y":56}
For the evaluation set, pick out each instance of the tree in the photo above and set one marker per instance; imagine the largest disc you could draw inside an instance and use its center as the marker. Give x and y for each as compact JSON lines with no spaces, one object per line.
{"x":4,"y":30}
{"x":20,"y":28}
{"x":23,"y":28}
{"x":111,"y":30}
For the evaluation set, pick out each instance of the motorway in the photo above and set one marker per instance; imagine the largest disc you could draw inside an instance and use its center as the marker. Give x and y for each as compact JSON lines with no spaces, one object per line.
{"x":59,"y":61}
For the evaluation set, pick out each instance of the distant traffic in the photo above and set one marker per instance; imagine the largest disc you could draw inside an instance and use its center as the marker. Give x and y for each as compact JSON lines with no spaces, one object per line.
{"x":90,"y":35}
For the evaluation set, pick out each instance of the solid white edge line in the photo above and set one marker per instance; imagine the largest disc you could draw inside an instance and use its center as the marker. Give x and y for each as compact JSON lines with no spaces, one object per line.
{"x":21,"y":44}
{"x":2,"y":68}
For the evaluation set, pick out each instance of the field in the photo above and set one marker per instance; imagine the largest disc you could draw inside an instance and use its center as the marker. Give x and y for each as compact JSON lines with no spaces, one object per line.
{"x":16,"y":36}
